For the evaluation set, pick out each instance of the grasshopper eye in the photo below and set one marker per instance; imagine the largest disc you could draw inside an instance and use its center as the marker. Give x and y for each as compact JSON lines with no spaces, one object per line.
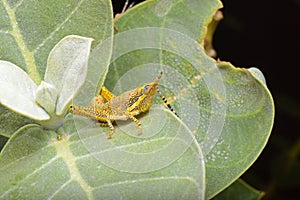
{"x":145,"y":88}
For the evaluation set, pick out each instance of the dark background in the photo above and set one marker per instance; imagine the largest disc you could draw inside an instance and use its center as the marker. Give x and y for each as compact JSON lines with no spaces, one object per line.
{"x":265,"y":34}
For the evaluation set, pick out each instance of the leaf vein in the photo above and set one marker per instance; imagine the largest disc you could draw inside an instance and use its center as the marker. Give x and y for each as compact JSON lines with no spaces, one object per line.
{"x":126,"y":146}
{"x":60,"y":188}
{"x":29,"y":175}
{"x":149,"y":180}
{"x":59,"y":26}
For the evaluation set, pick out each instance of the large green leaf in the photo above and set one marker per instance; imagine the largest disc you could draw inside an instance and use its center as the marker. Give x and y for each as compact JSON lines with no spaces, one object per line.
{"x":190,"y":17}
{"x":30,"y":29}
{"x":230,"y":110}
{"x":34,"y":164}
{"x":248,"y":124}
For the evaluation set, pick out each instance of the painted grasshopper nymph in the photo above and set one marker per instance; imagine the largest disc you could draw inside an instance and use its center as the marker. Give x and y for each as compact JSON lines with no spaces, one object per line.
{"x":122,"y":107}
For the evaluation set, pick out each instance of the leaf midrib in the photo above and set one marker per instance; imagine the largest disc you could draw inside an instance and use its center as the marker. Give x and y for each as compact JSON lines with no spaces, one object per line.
{"x":64,"y":152}
{"x":27,"y":54}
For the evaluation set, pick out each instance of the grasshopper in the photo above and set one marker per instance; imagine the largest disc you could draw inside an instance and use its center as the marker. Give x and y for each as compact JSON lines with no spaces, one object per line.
{"x":123,"y":107}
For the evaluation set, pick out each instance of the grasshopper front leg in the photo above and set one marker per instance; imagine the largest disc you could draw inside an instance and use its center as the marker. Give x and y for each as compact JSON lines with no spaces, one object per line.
{"x":137,"y":122}
{"x":130,"y":116}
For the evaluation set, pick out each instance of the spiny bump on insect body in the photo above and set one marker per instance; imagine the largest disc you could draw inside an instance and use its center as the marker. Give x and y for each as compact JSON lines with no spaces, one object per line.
{"x":122,"y":107}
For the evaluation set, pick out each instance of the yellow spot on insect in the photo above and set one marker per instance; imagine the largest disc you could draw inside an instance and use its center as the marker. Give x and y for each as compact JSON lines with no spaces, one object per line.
{"x":122,"y":107}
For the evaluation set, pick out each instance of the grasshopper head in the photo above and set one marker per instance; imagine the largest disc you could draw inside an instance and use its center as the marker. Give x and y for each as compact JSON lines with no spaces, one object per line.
{"x":148,"y":91}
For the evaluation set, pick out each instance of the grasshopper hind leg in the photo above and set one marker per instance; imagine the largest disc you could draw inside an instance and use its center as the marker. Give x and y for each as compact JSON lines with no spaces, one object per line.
{"x":104,"y":96}
{"x":112,"y":129}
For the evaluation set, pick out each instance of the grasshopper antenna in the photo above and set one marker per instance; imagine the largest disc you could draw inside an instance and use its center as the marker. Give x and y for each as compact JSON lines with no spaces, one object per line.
{"x":126,"y":7}
{"x":166,"y":102}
